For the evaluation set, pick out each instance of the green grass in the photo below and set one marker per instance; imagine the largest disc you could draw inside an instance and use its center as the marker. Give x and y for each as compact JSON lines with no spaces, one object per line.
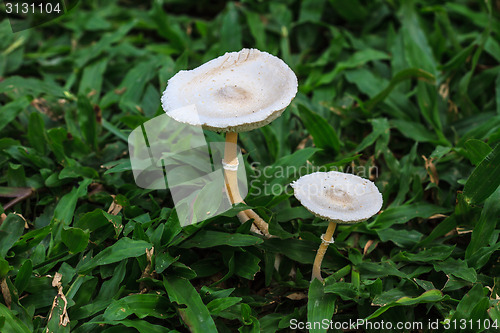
{"x":406,"y":93}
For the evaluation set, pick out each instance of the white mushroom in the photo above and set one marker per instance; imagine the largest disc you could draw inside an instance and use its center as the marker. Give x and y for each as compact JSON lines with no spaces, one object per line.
{"x":236,"y":92}
{"x":339,"y":198}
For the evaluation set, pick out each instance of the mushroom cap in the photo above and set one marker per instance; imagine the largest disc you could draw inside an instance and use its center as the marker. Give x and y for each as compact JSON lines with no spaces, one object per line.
{"x":337,"y":196}
{"x":238,"y":91}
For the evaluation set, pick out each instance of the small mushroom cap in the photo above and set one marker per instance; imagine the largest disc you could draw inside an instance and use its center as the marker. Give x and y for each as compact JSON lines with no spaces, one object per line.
{"x":238,"y":91}
{"x":337,"y":196}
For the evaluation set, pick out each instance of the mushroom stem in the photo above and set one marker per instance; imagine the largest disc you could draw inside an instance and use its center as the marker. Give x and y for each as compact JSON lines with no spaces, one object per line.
{"x":243,"y":218}
{"x":231,"y":159}
{"x":231,"y":179}
{"x":261,"y":224}
{"x":325,"y":241}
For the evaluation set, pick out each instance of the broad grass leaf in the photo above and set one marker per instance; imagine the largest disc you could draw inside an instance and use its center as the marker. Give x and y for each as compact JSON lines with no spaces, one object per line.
{"x":440,"y":252}
{"x":92,"y":79}
{"x":36,"y":133}
{"x":23,"y":276}
{"x":12,"y":324}
{"x":30,"y":86}
{"x":121,"y":166}
{"x":31,"y":239}
{"x":494,"y":312}
{"x":272,"y":142}
{"x":481,"y":257}
{"x":430,"y":296}
{"x":320,"y":305}
{"x":476,"y":150}
{"x":135,"y":81}
{"x":441,"y":229}
{"x":457,"y":268}
{"x":115,"y":130}
{"x":4,"y":268}
{"x":168,"y":28}
{"x":322,"y":132}
{"x":478,"y":127}
{"x":195,"y":314}
{"x":87,"y":121}
{"x":94,"y":220}
{"x":302,"y":251}
{"x":246,"y":265}
{"x":142,"y":326}
{"x":66,"y":206}
{"x":230,"y":30}
{"x":405,"y":74}
{"x":11,"y":230}
{"x":254,"y":145}
{"x":346,"y":291}
{"x":400,"y":237}
{"x":16,"y":175}
{"x":377,"y":270}
{"x":289,"y":167}
{"x":257,"y":29}
{"x":142,"y":305}
{"x":413,"y":130}
{"x":209,"y":238}
{"x":484,"y":180}
{"x":84,"y":55}
{"x":497,"y":93}
{"x":472,"y":305}
{"x":358,"y":59}
{"x":485,"y":226}
{"x":172,"y":229}
{"x":311,"y":11}
{"x":11,"y":110}
{"x":220,"y":304}
{"x":124,"y":248}
{"x":405,"y":213}
{"x":417,"y":49}
{"x":379,"y":127}
{"x":75,"y":239}
{"x":109,"y":289}
{"x":353,"y":11}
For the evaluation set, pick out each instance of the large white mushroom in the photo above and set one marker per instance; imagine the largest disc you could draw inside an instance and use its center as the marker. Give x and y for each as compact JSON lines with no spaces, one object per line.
{"x":339,"y":198}
{"x":236,"y":92}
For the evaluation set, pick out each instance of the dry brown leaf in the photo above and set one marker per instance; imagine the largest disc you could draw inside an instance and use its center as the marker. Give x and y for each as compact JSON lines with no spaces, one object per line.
{"x":114,"y":208}
{"x":462,"y":231}
{"x":367,"y":246}
{"x":431,"y":169}
{"x":437,"y":216}
{"x":302,"y":144}
{"x":296,"y":296}
{"x":148,"y":271}
{"x":64,"y":317}
{"x":120,"y":91}
{"x":5,"y":292}
{"x":56,"y":281}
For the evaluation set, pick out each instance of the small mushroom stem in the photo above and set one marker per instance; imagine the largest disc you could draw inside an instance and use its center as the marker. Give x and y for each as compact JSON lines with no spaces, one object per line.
{"x":231,"y":159}
{"x":231,"y":179}
{"x":243,"y":218}
{"x":325,"y":241}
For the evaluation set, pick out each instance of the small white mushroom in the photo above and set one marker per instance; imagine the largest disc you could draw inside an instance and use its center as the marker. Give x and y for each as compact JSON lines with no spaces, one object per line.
{"x":236,"y":92}
{"x":339,"y":198}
